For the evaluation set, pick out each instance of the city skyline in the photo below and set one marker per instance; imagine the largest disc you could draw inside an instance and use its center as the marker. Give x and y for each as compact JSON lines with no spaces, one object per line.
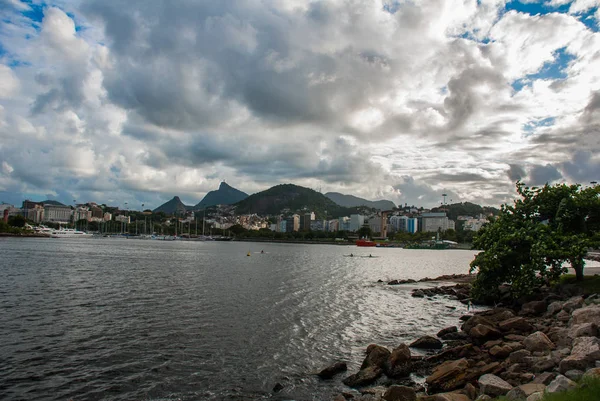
{"x":138,"y":102}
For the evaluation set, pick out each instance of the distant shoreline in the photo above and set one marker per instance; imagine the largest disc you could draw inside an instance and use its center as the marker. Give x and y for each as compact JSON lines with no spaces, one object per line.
{"x":24,"y":235}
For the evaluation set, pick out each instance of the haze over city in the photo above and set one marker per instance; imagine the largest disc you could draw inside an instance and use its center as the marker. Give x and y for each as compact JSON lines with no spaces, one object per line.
{"x":138,"y":101}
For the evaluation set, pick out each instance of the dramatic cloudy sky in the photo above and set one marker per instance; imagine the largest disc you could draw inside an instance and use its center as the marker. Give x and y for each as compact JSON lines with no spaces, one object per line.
{"x":137,"y":101}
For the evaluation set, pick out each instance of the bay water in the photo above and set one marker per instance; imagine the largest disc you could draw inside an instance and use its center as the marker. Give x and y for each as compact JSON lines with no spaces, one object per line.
{"x":125,"y":319}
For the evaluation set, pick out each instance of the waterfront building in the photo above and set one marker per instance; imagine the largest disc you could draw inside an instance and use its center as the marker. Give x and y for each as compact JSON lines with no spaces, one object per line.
{"x":282,"y":226}
{"x":35,"y":214}
{"x":344,"y":224}
{"x":123,"y":219}
{"x":57,"y":213}
{"x":107,"y":216}
{"x":398,"y":223}
{"x":375,"y":224}
{"x":412,"y":225}
{"x":333,"y":225}
{"x":436,"y":221}
{"x":356,"y":222}
{"x":474,"y":224}
{"x":82,"y":213}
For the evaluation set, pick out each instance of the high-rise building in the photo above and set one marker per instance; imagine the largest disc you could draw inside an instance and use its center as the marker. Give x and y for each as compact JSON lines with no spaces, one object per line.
{"x":434,"y":222}
{"x":356,"y":222}
{"x":57,"y":213}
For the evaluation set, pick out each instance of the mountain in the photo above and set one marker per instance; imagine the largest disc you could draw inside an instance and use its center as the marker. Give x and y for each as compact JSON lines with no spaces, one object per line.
{"x":52,"y":202}
{"x":293,"y":197}
{"x":466,"y":209}
{"x":225,"y":195}
{"x":352,"y":201}
{"x":174,"y":206}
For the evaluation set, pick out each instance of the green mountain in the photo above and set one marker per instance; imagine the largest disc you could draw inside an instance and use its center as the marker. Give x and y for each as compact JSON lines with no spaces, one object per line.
{"x":352,"y":201}
{"x":466,"y":209}
{"x":225,"y":195}
{"x":294,"y":198}
{"x":174,"y":206}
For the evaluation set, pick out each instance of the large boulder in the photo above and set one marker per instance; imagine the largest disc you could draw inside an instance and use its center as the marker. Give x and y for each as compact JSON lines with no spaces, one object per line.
{"x":515,"y":325}
{"x":533,"y":308}
{"x":538,"y":341}
{"x":544,"y":378}
{"x":554,"y":307}
{"x":363,"y":377}
{"x":400,"y":393}
{"x":561,"y":383}
{"x":573,"y":303}
{"x":519,"y":356}
{"x":592,"y":373}
{"x":583,"y":330}
{"x":498,"y":351}
{"x":448,"y":376}
{"x":399,"y":362}
{"x":447,"y":330}
{"x":376,"y":356}
{"x":493,"y":386}
{"x":427,"y":342}
{"x":589,"y":314}
{"x":474,"y":321}
{"x":586,"y":350}
{"x":484,"y":332}
{"x":332,"y":370}
{"x":446,"y":397}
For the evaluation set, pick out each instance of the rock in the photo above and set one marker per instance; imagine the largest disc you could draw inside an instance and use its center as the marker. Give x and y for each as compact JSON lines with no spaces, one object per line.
{"x":332,"y":370}
{"x":399,"y":363}
{"x":583,"y":330}
{"x":514,"y":337}
{"x":544,"y":364}
{"x":592,"y":373}
{"x":447,"y":330}
{"x":448,"y":376}
{"x":339,"y":397}
{"x":544,"y":378}
{"x":535,"y":397}
{"x":559,"y":384}
{"x":589,"y":314}
{"x":474,"y":321}
{"x":563,"y":316}
{"x":278,"y":387}
{"x":573,"y":303}
{"x":483,"y":332}
{"x":479,"y":371}
{"x":493,"y":386}
{"x":418,"y":294}
{"x":492,"y":343}
{"x":483,"y":397}
{"x":516,"y":394}
{"x":400,"y":393}
{"x":515,"y":325}
{"x":519,"y":356}
{"x":427,"y":342}
{"x":531,"y":388}
{"x":538,"y":341}
{"x":560,"y":336}
{"x":500,"y":352}
{"x":574,"y":374}
{"x":498,"y":314}
{"x":554,"y":307}
{"x":533,"y":308}
{"x":363,"y":377}
{"x":446,"y":397}
{"x":586,"y":350}
{"x":376,"y":356}
{"x":469,"y":390}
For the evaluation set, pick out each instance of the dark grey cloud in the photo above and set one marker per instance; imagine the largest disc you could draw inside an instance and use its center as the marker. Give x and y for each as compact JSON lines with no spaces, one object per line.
{"x":542,"y":174}
{"x":515,"y":172}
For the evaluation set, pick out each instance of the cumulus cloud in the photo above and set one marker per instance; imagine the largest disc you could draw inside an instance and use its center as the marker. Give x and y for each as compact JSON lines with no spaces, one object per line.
{"x":140,"y":101}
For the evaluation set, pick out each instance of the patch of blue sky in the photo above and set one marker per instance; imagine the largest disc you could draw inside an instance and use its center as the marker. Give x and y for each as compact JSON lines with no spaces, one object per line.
{"x":530,"y":127}
{"x":35,"y":12}
{"x":588,"y":18}
{"x":553,"y":70}
{"x":391,"y":6}
{"x":540,"y":7}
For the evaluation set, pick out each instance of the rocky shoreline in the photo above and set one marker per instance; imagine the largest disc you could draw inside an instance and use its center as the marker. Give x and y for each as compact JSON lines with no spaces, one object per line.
{"x":520,"y":350}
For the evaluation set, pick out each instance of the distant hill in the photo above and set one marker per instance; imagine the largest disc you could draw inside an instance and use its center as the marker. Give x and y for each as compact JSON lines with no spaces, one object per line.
{"x":466,"y":209}
{"x":292,"y":197}
{"x":52,"y":202}
{"x":174,"y":206}
{"x":225,"y":195}
{"x":352,"y":201}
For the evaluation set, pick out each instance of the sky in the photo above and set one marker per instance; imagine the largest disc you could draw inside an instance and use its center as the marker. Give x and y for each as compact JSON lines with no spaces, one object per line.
{"x":139,"y":101}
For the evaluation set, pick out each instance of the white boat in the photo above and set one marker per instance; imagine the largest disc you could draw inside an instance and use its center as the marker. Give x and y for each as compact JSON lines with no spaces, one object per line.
{"x":69,"y":233}
{"x":41,"y":229}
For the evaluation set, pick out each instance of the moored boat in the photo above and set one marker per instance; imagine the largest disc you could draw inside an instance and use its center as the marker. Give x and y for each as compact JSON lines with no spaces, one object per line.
{"x":364,"y":242}
{"x":69,"y":233}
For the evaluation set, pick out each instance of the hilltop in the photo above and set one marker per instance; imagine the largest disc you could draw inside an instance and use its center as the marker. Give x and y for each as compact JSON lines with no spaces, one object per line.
{"x":294,"y":198}
{"x":174,"y":206}
{"x":225,"y":195}
{"x":353,"y":201}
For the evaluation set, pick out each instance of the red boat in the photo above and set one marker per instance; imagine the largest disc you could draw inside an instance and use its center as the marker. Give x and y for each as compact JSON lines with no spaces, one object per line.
{"x":364,"y":242}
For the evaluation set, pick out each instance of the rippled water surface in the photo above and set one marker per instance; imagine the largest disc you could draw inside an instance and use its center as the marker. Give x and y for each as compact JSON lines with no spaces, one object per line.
{"x":117,"y":319}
